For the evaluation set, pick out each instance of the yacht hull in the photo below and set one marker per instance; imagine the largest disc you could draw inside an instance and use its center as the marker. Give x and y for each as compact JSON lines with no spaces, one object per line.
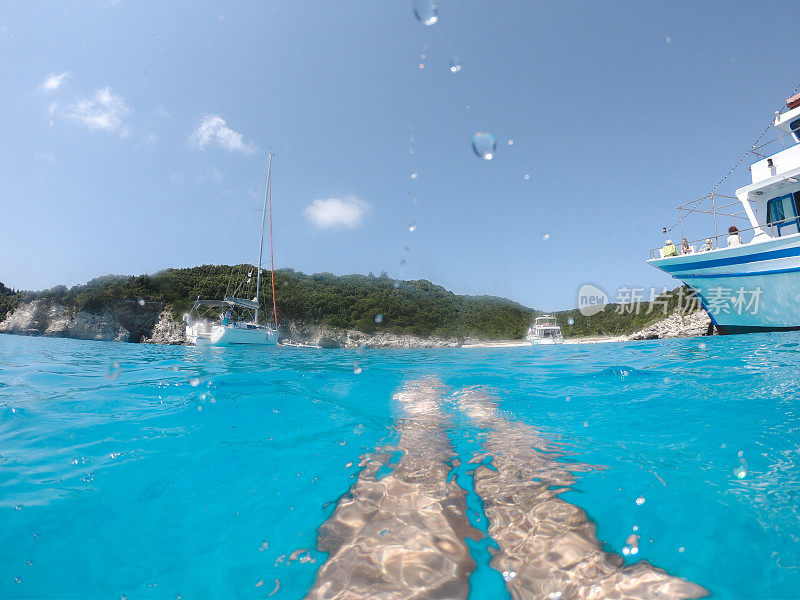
{"x":744,"y":289}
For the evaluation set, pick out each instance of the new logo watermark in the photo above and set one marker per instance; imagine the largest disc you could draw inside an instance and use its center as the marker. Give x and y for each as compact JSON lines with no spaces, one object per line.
{"x":591,"y":300}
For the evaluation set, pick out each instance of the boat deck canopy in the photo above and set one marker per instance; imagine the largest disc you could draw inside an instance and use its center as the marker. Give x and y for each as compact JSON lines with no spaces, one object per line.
{"x":242,"y":302}
{"x":228,"y":302}
{"x":211,"y":303}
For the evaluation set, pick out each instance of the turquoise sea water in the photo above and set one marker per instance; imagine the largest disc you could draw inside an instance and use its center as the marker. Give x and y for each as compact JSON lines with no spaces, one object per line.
{"x":156,"y":472}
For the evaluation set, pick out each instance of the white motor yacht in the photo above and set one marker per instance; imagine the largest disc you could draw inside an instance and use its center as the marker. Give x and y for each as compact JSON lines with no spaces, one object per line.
{"x":545,"y":330}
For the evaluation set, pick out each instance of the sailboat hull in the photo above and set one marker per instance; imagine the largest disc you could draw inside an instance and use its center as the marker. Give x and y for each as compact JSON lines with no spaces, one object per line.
{"x":203,"y":334}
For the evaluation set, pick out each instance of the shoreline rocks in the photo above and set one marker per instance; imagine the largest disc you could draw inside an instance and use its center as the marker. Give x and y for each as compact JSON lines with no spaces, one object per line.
{"x":167,"y":331}
{"x":131,"y":321}
{"x":677,"y":325}
{"x":325,"y":337}
{"x":122,"y":322}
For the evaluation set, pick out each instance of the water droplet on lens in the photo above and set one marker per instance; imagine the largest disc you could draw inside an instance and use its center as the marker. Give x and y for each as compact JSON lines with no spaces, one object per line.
{"x":484,"y":145}
{"x":455,"y":65}
{"x":510,"y":142}
{"x":379,"y":318}
{"x":413,"y":174}
{"x":426,"y":12}
{"x":412,"y":227}
{"x":527,"y":176}
{"x":421,"y":65}
{"x":114,"y":371}
{"x":357,"y":369}
{"x":570,"y":321}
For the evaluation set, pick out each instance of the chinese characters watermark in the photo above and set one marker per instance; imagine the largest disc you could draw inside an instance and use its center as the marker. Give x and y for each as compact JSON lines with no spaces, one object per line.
{"x":640,"y":300}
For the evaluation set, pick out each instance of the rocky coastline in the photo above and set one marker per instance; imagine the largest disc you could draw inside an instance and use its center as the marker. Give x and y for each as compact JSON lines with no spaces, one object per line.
{"x":152,"y":323}
{"x":123,"y":322}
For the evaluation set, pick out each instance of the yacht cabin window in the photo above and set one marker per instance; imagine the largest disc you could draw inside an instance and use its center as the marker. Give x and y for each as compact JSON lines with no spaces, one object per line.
{"x":782,"y":213}
{"x":795,"y":127}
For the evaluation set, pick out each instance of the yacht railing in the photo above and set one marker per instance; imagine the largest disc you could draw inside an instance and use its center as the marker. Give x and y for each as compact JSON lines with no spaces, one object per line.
{"x":717,"y":209}
{"x":763,"y":151}
{"x":656,"y":252}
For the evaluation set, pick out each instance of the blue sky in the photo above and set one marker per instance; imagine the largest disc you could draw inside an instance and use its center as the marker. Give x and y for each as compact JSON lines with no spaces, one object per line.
{"x":134,"y":135}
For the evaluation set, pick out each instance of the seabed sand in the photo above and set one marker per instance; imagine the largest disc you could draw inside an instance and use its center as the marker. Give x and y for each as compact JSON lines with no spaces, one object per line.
{"x":402,"y":536}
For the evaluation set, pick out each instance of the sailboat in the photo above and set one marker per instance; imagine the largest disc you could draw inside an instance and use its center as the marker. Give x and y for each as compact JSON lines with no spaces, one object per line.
{"x":238,"y":323}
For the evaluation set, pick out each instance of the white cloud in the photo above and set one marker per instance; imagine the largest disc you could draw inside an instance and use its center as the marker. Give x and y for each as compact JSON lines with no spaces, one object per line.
{"x":336,"y":212}
{"x":214,"y":176}
{"x":103,"y":111}
{"x":53,"y":81}
{"x":213,"y":130}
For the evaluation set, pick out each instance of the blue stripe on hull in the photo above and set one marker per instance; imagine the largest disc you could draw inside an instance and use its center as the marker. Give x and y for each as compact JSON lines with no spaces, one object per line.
{"x":742,"y":274}
{"x":733,"y":260}
{"x":740,"y":329}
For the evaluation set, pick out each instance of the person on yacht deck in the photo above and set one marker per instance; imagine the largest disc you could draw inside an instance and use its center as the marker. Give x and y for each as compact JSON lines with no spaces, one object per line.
{"x":734,"y":238}
{"x":685,"y":247}
{"x":669,"y":249}
{"x":708,"y":245}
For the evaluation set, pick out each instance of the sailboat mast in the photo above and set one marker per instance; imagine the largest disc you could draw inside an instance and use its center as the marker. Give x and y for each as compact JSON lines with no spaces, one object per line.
{"x":271,"y":250}
{"x":263,"y":222}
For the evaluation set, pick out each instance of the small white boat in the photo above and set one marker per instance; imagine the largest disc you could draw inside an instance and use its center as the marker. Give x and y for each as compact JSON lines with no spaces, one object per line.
{"x":236,"y":322}
{"x":748,"y":282}
{"x":545,"y":330}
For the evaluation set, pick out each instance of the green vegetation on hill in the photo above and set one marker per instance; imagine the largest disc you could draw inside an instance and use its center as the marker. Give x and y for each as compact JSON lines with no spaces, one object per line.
{"x":344,"y":301}
{"x":8,"y":300}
